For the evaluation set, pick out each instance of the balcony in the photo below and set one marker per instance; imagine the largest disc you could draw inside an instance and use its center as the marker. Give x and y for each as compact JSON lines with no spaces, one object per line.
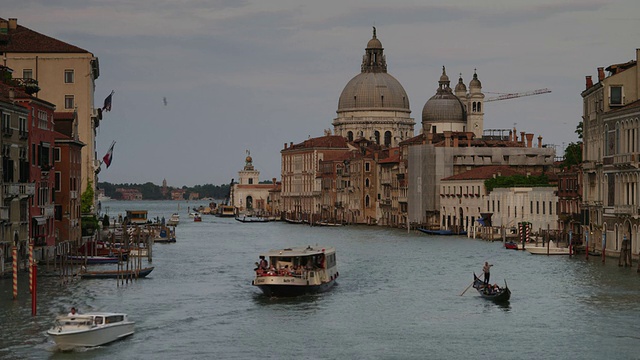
{"x":48,"y":211}
{"x":19,"y":189}
{"x":625,"y":160}
{"x":30,"y":86}
{"x":629,"y":210}
{"x":73,"y":194}
{"x":7,"y":131}
{"x":24,"y":135}
{"x":385,"y":202}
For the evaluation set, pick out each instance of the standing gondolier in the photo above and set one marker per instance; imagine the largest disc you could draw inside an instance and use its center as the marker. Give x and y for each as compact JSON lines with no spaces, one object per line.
{"x":487,"y":272}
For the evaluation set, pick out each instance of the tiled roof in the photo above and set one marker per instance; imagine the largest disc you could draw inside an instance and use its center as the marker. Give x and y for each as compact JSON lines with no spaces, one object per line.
{"x":25,"y":40}
{"x":329,"y":141}
{"x":63,"y":115}
{"x":394,"y":157}
{"x":487,"y":172}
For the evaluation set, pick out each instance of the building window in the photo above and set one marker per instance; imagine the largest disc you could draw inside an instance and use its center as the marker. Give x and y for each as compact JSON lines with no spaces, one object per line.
{"x":27,"y":74}
{"x":387,"y":138}
{"x":68,"y":76}
{"x":350,"y":135}
{"x":57,"y":181}
{"x":615,"y":95}
{"x":366,"y":182}
{"x":68,"y":102}
{"x":56,"y":154}
{"x":366,"y":166}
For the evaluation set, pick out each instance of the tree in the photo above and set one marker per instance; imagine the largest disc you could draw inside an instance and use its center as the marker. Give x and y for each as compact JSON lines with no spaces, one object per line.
{"x":579,"y":130}
{"x":86,"y":201}
{"x":572,"y":155}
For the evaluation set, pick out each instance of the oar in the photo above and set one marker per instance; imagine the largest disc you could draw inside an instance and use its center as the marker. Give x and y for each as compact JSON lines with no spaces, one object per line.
{"x":474,"y":280}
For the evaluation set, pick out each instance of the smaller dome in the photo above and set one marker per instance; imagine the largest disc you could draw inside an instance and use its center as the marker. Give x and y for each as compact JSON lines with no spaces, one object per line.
{"x":460,"y":86}
{"x":444,"y":77}
{"x":374,"y":43}
{"x":475,"y":83}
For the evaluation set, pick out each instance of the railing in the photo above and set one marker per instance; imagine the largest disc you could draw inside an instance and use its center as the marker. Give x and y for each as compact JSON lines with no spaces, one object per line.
{"x":623,"y":159}
{"x":385,"y":202}
{"x":48,"y":210}
{"x":7,"y":131}
{"x":19,"y":189}
{"x":625,"y":210}
{"x":24,"y":134}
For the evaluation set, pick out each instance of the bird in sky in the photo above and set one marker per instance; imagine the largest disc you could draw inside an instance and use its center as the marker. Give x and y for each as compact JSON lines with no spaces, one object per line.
{"x":164,"y":99}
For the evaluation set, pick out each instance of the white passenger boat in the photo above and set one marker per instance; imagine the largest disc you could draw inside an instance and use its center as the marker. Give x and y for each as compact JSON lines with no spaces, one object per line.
{"x":297,"y":271}
{"x":551,"y":249}
{"x":90,"y":329}
{"x":174,"y":220}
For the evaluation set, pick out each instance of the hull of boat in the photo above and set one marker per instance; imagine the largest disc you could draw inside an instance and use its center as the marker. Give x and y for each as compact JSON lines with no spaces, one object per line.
{"x":539,"y":250}
{"x":442,"y":232}
{"x":91,"y":337}
{"x":281,"y":290}
{"x":117,"y":274}
{"x":95,"y":259}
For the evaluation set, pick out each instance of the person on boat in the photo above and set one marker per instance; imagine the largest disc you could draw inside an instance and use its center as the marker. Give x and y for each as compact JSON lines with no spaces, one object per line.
{"x":73,"y":312}
{"x":487,"y":272}
{"x":264,"y":264}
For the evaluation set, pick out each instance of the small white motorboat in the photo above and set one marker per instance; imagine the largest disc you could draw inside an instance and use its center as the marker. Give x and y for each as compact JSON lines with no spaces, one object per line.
{"x":174,"y":220}
{"x":549,"y":249}
{"x":90,"y":329}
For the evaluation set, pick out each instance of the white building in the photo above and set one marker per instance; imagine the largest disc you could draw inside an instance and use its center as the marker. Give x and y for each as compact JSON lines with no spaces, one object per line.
{"x":536,"y":205}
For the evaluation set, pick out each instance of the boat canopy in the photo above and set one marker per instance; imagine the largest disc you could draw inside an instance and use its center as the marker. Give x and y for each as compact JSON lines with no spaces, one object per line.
{"x":299,"y":251}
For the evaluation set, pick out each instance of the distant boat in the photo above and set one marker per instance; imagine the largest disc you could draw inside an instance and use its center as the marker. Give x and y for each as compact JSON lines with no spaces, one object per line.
{"x":93,"y":259}
{"x":197,"y":217}
{"x":174,"y":220}
{"x":442,"y":232}
{"x":326,"y":223}
{"x":225,"y":211}
{"x":252,"y":219}
{"x":498,"y":295}
{"x":550,"y":249}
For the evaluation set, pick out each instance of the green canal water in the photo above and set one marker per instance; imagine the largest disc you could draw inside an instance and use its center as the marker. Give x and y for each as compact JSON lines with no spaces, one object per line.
{"x":398,"y":297}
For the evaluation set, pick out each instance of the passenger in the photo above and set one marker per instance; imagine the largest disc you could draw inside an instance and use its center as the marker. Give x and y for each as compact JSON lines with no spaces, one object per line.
{"x":287,"y":271}
{"x":73,"y":312}
{"x":264,"y":264}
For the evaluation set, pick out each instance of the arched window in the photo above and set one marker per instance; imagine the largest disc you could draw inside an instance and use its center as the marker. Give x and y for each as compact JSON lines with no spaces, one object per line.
{"x":366,"y":182}
{"x":249,"y":202}
{"x":367,"y":201}
{"x":479,"y":107}
{"x":473,"y":107}
{"x":377,"y":136}
{"x":360,"y":134}
{"x":387,"y":138}
{"x":350,"y":135}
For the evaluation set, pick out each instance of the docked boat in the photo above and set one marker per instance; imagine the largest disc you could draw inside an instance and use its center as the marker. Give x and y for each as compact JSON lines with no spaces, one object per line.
{"x":197,"y":217}
{"x":174,"y":220}
{"x":327,"y":223}
{"x":297,"y":271}
{"x":137,"y":217}
{"x":495,"y":294}
{"x":295,"y":221}
{"x":117,"y":274}
{"x":252,"y":219}
{"x":90,"y":329}
{"x":442,"y":232}
{"x":225,"y":211}
{"x":78,"y":259}
{"x":550,"y":249}
{"x":165,"y":235}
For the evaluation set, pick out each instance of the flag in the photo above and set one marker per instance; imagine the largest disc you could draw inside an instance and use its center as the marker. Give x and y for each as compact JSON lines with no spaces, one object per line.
{"x":109,"y":156}
{"x":107,"y":102}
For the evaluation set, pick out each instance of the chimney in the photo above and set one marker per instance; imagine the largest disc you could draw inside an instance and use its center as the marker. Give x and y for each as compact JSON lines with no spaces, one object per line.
{"x":13,"y":23}
{"x":4,"y":27}
{"x":429,"y":138}
{"x":291,"y":144}
{"x":589,"y":81}
{"x":469,"y":136}
{"x":455,"y":141}
{"x":375,"y":156}
{"x":447,"y":138}
{"x":540,"y":141}
{"x":522,"y":137}
{"x":529,"y":140}
{"x":600,"y":74}
{"x":273,"y":180}
{"x":285,"y":146}
{"x":12,"y":94}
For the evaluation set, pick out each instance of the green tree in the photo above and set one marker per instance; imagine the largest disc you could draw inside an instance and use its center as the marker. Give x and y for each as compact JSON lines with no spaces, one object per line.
{"x":579,"y":129}
{"x":572,"y":155}
{"x":86,"y":200}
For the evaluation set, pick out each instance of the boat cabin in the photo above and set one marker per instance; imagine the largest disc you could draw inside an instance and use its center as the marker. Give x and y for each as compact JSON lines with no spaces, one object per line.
{"x":137,"y":216}
{"x":301,"y":259}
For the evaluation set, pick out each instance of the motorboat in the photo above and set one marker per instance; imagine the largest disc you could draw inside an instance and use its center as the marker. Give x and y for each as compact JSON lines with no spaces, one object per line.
{"x":226,"y":211}
{"x":296,"y":271}
{"x":174,"y":220}
{"x":90,"y":329}
{"x":252,"y":219}
{"x":550,"y":249}
{"x":197,"y":217}
{"x":117,"y":274}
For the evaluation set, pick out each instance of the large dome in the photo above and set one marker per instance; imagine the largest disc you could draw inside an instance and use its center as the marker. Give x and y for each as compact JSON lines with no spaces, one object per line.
{"x":373,"y":90}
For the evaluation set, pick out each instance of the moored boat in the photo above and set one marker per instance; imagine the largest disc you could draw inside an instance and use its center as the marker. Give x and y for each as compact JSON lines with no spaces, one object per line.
{"x":197,"y":217}
{"x":297,"y":271}
{"x":225,"y":211}
{"x":78,"y":259}
{"x":442,"y":232}
{"x":117,"y":274}
{"x":90,"y":329}
{"x":550,"y":249}
{"x":496,"y":294}
{"x":252,"y":219}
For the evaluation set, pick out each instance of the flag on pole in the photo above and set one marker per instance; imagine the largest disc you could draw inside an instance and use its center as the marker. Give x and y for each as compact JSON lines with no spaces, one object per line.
{"x":107,"y":102}
{"x":109,"y":156}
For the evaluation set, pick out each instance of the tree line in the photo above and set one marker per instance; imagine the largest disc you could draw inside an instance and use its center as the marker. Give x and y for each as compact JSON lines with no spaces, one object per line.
{"x":151,"y":191}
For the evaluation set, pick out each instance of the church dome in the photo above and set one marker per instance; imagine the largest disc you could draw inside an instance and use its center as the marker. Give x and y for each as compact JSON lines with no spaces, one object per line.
{"x":444,"y":106}
{"x":373,"y":88}
{"x":475,"y":83}
{"x":369,"y":90}
{"x":460,"y":87}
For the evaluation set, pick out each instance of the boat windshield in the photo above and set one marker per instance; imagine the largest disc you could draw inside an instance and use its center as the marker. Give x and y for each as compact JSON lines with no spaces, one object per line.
{"x":71,"y":321}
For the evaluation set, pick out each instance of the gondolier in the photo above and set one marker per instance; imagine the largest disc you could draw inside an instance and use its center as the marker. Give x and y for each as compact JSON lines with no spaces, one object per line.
{"x":487,"y":272}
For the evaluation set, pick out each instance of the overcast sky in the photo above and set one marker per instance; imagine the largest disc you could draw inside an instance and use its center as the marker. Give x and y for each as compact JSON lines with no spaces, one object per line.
{"x":252,"y":75}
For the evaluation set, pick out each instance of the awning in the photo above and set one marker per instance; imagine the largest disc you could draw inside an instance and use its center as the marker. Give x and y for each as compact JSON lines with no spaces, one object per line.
{"x":40,"y":220}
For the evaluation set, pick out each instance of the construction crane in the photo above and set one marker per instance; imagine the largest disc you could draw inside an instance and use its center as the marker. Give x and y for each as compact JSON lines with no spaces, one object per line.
{"x":517,"y":95}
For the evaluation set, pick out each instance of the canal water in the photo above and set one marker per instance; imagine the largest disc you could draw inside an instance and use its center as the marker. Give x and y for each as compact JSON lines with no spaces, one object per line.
{"x":398,"y":297}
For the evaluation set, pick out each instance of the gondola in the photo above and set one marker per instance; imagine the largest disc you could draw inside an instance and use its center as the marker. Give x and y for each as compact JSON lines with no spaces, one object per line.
{"x":502,"y":295}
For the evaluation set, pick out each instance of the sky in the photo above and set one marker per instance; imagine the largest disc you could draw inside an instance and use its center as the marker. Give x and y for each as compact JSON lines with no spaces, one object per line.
{"x":252,"y":75}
